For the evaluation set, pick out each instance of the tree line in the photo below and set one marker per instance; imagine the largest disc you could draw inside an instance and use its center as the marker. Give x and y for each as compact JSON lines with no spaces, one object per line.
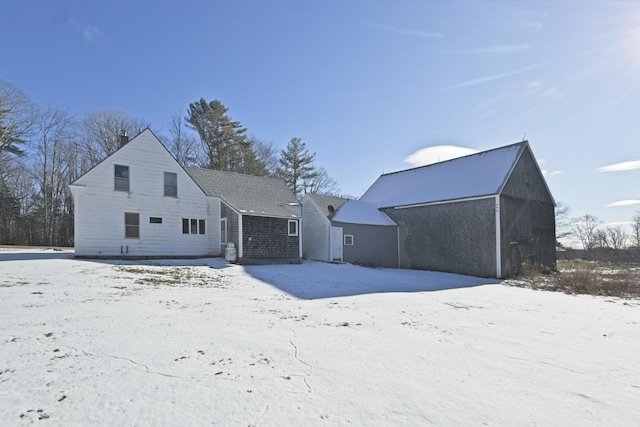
{"x":591,"y":234}
{"x":43,"y":150}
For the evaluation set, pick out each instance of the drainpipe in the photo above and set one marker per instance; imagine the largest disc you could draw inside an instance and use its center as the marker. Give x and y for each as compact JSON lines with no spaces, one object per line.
{"x":498,"y":240}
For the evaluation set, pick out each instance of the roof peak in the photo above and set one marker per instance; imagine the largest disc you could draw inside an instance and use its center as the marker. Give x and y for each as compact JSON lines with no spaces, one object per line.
{"x":504,"y":147}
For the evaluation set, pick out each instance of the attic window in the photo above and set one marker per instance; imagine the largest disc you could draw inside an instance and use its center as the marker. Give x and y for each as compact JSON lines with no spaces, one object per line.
{"x":331,"y":208}
{"x":171,"y":184}
{"x":121,"y":178}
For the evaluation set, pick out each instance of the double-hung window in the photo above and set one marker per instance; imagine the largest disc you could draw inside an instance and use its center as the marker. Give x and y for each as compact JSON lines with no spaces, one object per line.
{"x":132,"y":225}
{"x":121,"y":178}
{"x":171,"y":184}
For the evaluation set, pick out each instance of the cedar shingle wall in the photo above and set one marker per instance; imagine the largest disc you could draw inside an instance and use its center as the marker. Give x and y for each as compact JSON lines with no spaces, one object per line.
{"x":265,"y":237}
{"x":453,"y":237}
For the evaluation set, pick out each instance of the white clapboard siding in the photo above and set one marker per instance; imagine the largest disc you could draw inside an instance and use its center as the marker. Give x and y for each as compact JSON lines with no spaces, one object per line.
{"x":100,"y":209}
{"x":315,"y":231}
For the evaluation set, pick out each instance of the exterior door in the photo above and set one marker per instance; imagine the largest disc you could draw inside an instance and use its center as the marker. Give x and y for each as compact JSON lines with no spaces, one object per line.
{"x":335,"y":244}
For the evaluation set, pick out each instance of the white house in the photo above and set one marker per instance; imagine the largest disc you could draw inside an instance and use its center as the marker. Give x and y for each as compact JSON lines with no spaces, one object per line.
{"x":140,"y":202}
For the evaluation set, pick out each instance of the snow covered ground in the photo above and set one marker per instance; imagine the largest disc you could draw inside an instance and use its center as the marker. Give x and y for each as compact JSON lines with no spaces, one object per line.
{"x":203,"y":342}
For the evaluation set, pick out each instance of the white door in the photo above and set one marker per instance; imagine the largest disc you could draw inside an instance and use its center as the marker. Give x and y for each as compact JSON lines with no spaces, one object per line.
{"x":335,"y":244}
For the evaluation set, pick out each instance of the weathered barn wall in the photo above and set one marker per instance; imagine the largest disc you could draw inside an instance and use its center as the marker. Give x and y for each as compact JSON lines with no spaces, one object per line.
{"x":267,"y":238}
{"x":527,"y":217}
{"x":452,"y":237}
{"x":373,"y":245}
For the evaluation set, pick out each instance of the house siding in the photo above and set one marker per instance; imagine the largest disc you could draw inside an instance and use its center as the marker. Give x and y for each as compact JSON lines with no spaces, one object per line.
{"x":99,"y":209}
{"x":266,"y":238}
{"x":527,"y":218}
{"x":456,"y":237}
{"x":373,"y":245}
{"x":315,"y":232}
{"x":232,"y":225}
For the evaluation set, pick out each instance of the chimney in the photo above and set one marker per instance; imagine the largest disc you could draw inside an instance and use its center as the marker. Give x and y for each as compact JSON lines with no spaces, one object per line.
{"x":124,"y":138}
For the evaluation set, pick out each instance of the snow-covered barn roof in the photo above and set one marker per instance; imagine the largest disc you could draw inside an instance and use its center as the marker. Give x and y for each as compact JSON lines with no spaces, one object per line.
{"x":476,"y":175}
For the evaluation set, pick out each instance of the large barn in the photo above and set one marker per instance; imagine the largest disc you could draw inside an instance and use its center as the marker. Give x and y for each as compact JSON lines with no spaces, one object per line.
{"x":482,"y":214}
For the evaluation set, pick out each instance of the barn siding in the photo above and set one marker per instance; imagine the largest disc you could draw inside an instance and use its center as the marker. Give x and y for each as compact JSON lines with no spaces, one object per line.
{"x":315,"y":232}
{"x":99,"y":209}
{"x":267,"y":238}
{"x":527,"y":218}
{"x":454,"y":237}
{"x":373,"y":245}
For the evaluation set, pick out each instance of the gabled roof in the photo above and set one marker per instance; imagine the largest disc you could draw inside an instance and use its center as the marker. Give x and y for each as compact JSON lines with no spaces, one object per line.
{"x":247,"y":194}
{"x":329,"y":205}
{"x":476,"y":175}
{"x":358,"y":212}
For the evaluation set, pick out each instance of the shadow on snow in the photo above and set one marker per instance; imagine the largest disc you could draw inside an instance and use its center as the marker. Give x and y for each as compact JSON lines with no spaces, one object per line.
{"x":311,"y":280}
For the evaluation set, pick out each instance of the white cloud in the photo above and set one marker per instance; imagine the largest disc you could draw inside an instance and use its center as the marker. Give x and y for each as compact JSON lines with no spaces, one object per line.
{"x":558,"y":172}
{"x":624,"y":203}
{"x":619,"y":167}
{"x":437,"y":153}
{"x":497,"y":49}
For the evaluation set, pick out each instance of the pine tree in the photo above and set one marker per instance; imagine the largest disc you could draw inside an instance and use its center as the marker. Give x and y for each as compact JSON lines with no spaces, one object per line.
{"x":220,"y":136}
{"x":296,"y":166}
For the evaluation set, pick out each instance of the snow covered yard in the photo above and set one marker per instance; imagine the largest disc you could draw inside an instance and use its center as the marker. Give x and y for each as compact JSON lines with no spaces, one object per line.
{"x":203,"y":342}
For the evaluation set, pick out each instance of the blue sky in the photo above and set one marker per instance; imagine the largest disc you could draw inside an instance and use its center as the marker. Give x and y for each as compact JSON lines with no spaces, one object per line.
{"x":366,"y":84}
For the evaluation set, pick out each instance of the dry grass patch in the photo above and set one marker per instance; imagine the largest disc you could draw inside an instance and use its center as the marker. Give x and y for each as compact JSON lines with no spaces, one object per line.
{"x":584,"y":277}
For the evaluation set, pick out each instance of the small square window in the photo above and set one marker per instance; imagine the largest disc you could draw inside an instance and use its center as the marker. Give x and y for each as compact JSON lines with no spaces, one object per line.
{"x":348,"y":239}
{"x":293,"y":227}
{"x":121,"y":178}
{"x":155,"y":220}
{"x":132,"y":225}
{"x":171,"y":184}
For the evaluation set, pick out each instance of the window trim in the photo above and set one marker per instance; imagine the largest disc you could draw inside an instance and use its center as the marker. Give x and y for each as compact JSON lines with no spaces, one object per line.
{"x":132,"y":226}
{"x":296,"y":232}
{"x":117,"y":178}
{"x":348,"y":240}
{"x":170,"y":186}
{"x":223,"y":231}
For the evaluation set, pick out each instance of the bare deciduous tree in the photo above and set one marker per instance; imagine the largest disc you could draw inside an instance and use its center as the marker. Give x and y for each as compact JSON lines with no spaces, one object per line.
{"x":101,"y":131}
{"x":183,"y":146}
{"x":617,"y":238}
{"x":585,"y":229}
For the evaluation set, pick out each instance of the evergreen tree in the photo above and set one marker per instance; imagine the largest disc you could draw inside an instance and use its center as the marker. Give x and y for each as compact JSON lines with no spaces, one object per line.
{"x":296,"y":166}
{"x":220,"y":136}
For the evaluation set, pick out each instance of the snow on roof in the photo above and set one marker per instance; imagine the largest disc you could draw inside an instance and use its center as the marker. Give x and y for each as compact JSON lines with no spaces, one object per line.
{"x":475,"y":175}
{"x":358,"y":212}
